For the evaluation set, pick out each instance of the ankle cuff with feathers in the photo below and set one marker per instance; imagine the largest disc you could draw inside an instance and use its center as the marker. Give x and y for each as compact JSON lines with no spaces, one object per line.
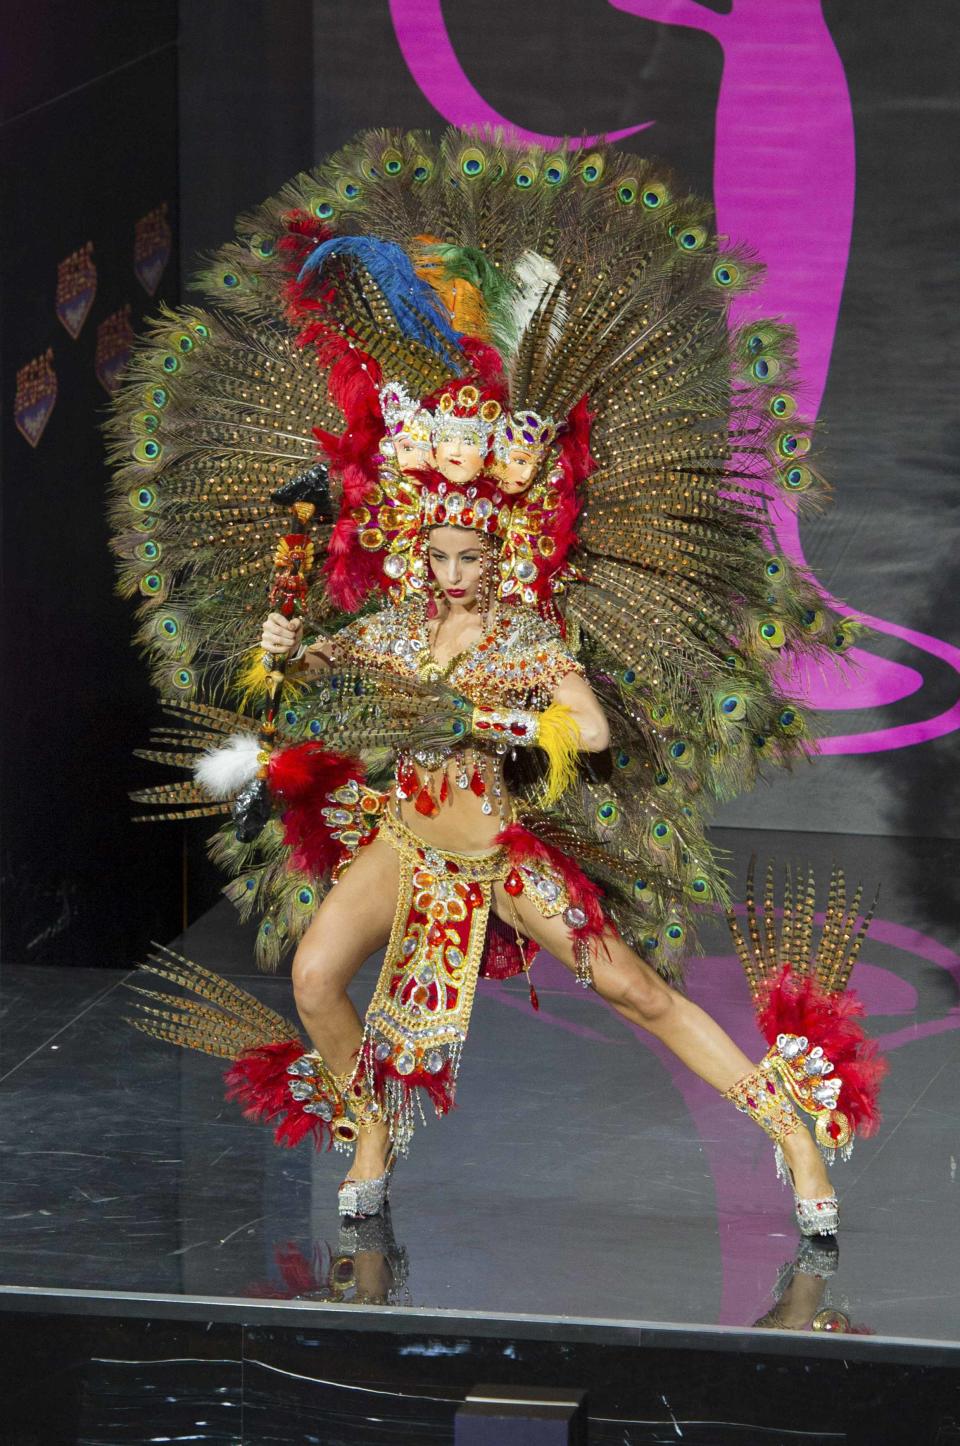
{"x":344,"y":1102}
{"x":761,"y":1096}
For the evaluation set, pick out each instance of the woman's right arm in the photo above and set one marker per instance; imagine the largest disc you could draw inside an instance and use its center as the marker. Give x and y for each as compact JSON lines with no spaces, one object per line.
{"x":283,"y":637}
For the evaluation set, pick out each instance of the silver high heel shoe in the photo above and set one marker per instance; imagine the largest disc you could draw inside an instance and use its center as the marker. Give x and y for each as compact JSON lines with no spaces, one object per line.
{"x":362,"y":1199}
{"x":817,"y":1217}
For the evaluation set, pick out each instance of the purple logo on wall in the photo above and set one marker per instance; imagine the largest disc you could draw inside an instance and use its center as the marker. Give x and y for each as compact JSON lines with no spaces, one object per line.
{"x":151,"y":248}
{"x":807,"y":105}
{"x":76,"y":288}
{"x":35,"y":397}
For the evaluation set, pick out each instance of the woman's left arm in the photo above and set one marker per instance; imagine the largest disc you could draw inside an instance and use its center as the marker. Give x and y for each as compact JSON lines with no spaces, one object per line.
{"x":574,"y":692}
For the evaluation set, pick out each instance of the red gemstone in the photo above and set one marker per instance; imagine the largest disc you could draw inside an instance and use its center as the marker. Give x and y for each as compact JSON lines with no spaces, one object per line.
{"x":513,"y":883}
{"x":425,"y":803}
{"x":435,"y":934}
{"x":533,"y":998}
{"x":519,"y":729}
{"x":477,"y":784}
{"x":407,"y":778}
{"x":444,"y":790}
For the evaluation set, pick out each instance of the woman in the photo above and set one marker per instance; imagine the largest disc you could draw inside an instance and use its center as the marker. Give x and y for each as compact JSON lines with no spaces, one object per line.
{"x":357,"y":916}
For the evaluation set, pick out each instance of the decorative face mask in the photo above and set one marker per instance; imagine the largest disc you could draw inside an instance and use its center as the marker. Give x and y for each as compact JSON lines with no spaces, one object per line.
{"x":409,"y":428}
{"x":463,"y":433}
{"x":413,"y":445}
{"x":521,"y":441}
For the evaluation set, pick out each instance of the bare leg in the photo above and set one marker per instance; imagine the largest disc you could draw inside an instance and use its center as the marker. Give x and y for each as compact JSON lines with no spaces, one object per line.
{"x":352,"y":923}
{"x":638,"y":993}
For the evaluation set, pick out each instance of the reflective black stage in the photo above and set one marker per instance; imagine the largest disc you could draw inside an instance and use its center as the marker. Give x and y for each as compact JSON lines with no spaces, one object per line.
{"x":590,"y":1215}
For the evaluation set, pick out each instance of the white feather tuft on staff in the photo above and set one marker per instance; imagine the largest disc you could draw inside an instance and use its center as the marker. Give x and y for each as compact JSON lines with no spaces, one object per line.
{"x":224,"y":771}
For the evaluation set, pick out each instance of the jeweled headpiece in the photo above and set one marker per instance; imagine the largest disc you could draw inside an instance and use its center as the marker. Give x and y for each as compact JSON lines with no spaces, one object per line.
{"x":387,"y":522}
{"x":397,"y":405}
{"x":465,"y":412}
{"x":403,"y":416}
{"x":522,"y":429}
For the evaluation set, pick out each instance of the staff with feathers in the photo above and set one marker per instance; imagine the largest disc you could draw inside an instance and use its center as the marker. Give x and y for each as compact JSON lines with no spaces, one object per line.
{"x":305,"y":495}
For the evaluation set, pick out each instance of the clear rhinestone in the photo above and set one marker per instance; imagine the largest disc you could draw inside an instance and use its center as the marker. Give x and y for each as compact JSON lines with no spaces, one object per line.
{"x":300,"y":1089}
{"x":303,"y":1065}
{"x":574,"y":917}
{"x":434,"y":1062}
{"x":405,"y":1063}
{"x":382,"y":1052}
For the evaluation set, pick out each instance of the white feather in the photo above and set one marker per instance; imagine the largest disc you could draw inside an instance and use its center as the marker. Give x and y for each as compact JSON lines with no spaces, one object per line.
{"x":535,"y":276}
{"x":224,"y":771}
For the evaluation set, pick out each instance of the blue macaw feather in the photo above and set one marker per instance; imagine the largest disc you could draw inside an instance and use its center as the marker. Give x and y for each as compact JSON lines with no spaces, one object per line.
{"x":412,"y":301}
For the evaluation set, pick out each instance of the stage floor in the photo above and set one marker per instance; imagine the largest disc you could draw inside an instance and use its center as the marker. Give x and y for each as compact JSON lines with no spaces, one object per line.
{"x":585,"y":1177}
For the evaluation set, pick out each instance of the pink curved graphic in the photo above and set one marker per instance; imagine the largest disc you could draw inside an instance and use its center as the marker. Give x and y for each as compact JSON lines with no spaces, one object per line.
{"x":905,"y":734}
{"x":782,"y":77}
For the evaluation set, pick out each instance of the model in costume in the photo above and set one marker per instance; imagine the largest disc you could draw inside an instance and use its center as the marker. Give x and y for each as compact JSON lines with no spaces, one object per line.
{"x":546,"y":630}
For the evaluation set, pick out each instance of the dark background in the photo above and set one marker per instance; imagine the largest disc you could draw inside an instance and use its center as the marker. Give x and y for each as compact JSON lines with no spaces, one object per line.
{"x":111,"y":109}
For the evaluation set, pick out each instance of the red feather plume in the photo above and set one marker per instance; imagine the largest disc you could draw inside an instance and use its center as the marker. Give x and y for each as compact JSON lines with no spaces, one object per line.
{"x":302,"y":776}
{"x":524,"y":847}
{"x":258,"y":1079}
{"x":796,"y":1004}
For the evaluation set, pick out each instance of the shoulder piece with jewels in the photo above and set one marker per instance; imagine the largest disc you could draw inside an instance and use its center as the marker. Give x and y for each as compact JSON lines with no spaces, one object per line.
{"x":531,"y":344}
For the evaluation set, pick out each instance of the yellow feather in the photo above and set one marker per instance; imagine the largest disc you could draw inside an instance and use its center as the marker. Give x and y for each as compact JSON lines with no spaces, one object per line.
{"x":559,"y":737}
{"x":250,"y":681}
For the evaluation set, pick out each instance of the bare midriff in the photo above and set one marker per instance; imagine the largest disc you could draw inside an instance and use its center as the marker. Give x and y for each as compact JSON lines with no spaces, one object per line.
{"x":459,"y":825}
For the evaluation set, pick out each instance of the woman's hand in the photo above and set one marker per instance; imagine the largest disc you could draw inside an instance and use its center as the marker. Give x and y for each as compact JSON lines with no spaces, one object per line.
{"x":281,"y":636}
